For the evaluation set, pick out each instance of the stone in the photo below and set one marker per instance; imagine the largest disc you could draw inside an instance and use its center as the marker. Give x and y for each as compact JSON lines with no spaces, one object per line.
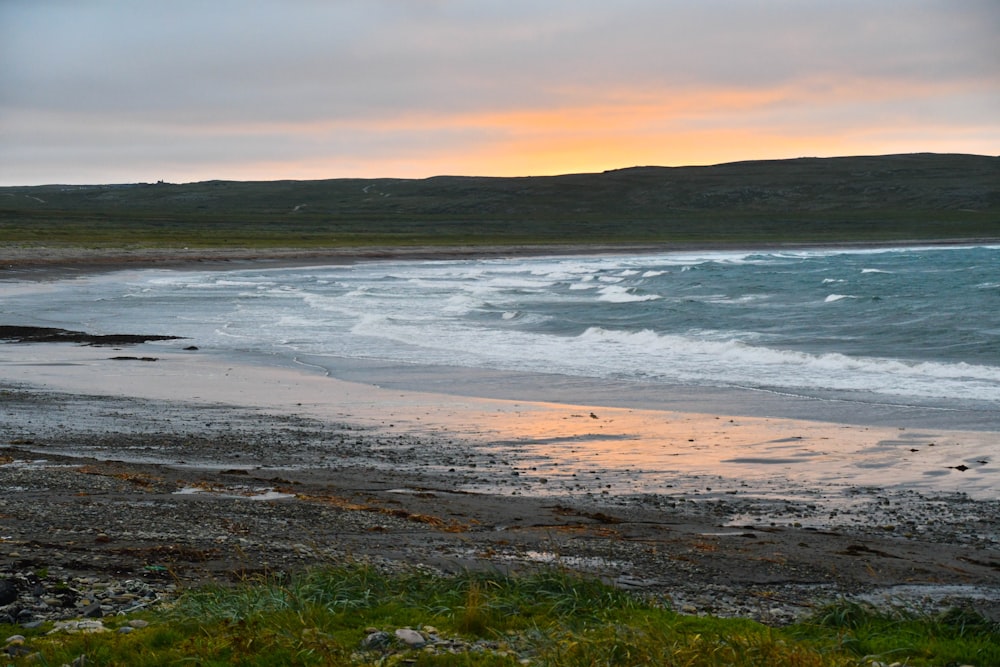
{"x":20,"y":651}
{"x":410,"y":638}
{"x":8,"y":592}
{"x":92,"y":611}
{"x":73,"y":627}
{"x":90,"y":626}
{"x":376,"y":640}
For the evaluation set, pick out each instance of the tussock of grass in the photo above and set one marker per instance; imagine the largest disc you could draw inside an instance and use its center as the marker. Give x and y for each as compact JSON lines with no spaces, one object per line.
{"x":960,"y":636}
{"x":322,"y":617}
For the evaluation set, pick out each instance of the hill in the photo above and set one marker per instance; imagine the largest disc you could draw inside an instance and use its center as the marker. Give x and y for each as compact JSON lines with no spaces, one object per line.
{"x":879,"y":198}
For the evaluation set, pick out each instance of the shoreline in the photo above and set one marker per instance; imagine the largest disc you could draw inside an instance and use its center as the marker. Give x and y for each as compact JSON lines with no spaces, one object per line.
{"x":713,"y":439}
{"x":39,"y":262}
{"x":213,"y":470}
{"x":517,"y":385}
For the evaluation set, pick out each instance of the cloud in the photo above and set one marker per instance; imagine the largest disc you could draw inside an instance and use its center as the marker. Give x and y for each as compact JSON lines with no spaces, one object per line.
{"x":225,"y":85}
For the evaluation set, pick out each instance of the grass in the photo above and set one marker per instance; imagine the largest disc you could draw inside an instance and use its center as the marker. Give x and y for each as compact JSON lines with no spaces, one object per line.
{"x":322,"y":617}
{"x":887,"y":198}
{"x":734,"y":227}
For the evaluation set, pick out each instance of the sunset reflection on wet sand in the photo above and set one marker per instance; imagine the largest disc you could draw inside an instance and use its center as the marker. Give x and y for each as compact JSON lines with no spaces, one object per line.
{"x":556,"y":449}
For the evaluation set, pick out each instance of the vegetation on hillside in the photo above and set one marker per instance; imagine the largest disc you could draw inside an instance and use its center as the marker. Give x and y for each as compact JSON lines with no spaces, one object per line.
{"x":885,"y":198}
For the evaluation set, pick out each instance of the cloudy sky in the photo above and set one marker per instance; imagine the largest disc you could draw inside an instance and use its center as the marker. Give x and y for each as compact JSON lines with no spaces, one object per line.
{"x":98,"y":91}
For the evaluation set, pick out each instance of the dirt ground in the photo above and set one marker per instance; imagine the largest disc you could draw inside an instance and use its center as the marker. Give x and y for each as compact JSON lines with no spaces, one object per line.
{"x":124,"y":488}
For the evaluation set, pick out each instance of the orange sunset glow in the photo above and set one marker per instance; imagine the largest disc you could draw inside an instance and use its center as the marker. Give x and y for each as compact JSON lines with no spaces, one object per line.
{"x":422,"y":89}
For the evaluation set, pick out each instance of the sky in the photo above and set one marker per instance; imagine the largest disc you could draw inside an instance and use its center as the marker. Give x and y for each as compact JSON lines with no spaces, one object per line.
{"x":120,"y":91}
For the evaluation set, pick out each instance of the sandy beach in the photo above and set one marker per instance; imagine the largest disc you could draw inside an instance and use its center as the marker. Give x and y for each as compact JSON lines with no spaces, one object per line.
{"x":142,"y":462}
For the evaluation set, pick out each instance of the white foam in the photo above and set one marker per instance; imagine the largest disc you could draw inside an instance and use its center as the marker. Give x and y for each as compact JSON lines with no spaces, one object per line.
{"x":459,"y":304}
{"x":725,"y":299}
{"x":735,"y":362}
{"x":617,"y":294}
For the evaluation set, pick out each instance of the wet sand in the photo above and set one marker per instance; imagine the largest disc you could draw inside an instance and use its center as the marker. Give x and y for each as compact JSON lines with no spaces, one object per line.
{"x":636,"y":450}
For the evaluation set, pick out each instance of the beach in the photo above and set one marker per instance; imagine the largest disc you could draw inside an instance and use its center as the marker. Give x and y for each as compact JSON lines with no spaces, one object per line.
{"x":180,"y":467}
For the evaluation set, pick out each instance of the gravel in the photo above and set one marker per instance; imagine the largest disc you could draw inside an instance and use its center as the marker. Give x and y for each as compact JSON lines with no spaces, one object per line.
{"x":110,"y":505}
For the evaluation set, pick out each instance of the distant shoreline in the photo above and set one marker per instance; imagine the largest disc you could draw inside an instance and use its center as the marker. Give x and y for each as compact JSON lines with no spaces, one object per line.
{"x":39,"y":262}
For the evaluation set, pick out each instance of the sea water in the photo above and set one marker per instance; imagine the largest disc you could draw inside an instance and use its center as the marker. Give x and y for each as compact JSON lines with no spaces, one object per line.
{"x":858,"y":332}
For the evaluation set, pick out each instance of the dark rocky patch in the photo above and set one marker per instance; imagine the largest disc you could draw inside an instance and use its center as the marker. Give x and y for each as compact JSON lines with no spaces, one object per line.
{"x":18,"y":334}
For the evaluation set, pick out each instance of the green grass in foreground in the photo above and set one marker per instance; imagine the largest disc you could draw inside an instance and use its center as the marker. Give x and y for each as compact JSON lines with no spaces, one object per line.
{"x":321,"y":618}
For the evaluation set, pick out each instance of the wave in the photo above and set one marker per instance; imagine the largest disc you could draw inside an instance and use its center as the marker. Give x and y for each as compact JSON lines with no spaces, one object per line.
{"x":734,"y":349}
{"x":741,"y":363}
{"x":707,"y":358}
{"x":725,"y":299}
{"x":616,"y":294}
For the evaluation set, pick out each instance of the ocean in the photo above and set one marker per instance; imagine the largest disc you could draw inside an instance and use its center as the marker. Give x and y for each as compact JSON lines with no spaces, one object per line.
{"x":877,"y":335}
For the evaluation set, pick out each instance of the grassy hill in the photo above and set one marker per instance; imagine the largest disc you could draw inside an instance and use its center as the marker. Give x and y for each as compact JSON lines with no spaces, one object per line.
{"x":882,"y":198}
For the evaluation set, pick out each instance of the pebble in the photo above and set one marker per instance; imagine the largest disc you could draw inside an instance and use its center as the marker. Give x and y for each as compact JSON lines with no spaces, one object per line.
{"x":8,"y":591}
{"x":376,"y":640}
{"x":58,"y":596}
{"x":74,"y":627}
{"x":428,"y":640}
{"x":411,"y":638}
